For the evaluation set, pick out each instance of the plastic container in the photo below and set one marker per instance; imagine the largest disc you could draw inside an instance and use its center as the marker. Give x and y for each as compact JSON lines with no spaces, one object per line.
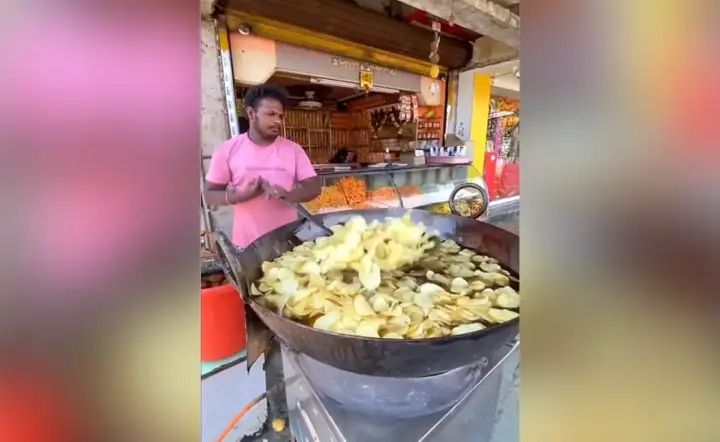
{"x":222,"y":326}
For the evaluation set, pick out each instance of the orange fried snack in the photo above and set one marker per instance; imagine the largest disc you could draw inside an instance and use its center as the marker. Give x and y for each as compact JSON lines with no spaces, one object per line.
{"x":382,"y":194}
{"x":354,"y":189}
{"x":330,"y":197}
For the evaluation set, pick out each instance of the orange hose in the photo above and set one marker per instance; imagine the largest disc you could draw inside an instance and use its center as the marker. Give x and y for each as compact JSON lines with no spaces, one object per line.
{"x":239,"y":416}
{"x":249,"y":407}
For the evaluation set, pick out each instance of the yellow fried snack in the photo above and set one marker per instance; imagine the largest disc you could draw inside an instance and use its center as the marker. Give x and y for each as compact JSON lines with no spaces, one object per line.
{"x":387,"y":280}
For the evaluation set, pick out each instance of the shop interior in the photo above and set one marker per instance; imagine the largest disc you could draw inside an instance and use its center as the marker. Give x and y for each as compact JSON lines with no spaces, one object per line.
{"x":370,"y":148}
{"x":339,"y":123}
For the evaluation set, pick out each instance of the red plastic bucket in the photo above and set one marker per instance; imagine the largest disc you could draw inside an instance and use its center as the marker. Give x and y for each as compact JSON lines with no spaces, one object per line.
{"x":222,"y":326}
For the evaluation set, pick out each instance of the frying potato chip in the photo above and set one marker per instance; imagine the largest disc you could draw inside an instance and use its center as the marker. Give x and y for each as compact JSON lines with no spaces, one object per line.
{"x":407,"y":282}
{"x":467,"y":328}
{"x":507,"y":297}
{"x":502,"y":315}
{"x":459,"y":271}
{"x":430,"y":288}
{"x":380,"y":302}
{"x":403,"y":294}
{"x":415,"y":313}
{"x":459,"y":285}
{"x":362,"y":307}
{"x":490,"y":267}
{"x":462,"y":301}
{"x":387,"y":279}
{"x":440,"y":316}
{"x":326,"y":321}
{"x":423,"y":299}
{"x":370,"y":327}
{"x":477,"y":286}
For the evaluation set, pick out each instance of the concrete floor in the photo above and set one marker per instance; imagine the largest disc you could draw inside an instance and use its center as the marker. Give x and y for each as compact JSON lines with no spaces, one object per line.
{"x":225,"y":393}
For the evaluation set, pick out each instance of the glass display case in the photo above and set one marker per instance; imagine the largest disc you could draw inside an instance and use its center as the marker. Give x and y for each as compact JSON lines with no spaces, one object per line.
{"x":388,"y":186}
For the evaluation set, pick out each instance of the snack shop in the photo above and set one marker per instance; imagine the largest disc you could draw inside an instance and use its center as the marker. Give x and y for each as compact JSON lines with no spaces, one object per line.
{"x":378,"y":135}
{"x":384,"y":129}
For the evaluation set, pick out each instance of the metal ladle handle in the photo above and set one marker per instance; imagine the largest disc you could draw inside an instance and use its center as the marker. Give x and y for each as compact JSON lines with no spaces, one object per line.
{"x":307,"y":216}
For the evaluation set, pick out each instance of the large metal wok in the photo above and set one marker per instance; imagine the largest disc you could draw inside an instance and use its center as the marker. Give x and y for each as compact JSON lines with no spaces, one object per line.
{"x":371,"y":356}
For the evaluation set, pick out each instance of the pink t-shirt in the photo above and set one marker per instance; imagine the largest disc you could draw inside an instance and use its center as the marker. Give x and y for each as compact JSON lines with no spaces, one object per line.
{"x":239,"y":160}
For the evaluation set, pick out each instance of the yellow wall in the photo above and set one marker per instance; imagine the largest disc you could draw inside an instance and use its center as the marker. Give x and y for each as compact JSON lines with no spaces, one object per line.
{"x":479,"y":124}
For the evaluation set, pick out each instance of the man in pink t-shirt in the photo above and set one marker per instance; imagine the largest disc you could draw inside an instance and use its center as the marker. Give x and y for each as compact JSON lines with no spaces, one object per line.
{"x":253,"y":171}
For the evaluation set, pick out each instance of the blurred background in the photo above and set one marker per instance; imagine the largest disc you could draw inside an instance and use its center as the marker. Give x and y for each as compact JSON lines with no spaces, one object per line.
{"x":101,"y":115}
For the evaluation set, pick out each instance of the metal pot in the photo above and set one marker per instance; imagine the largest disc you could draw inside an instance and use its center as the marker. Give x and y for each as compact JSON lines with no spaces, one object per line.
{"x":371,"y":356}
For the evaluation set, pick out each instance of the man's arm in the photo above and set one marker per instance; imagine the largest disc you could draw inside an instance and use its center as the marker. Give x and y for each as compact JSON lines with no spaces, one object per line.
{"x":219,"y":195}
{"x":307,"y":185}
{"x":305,"y":190}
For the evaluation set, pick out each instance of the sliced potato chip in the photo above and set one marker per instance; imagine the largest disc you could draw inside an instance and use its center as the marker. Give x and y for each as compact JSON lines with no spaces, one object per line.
{"x":458,"y":271}
{"x":500,"y":279}
{"x":416,"y":331}
{"x":459,"y":285}
{"x":430,"y":288}
{"x":506,"y":300}
{"x":423,"y":299}
{"x":362,"y":306}
{"x":507,"y":297}
{"x":415,"y":313}
{"x":399,"y":320}
{"x":467,"y":328}
{"x":400,"y":329}
{"x":369,"y":273}
{"x":407,"y":282}
{"x":302,"y":293}
{"x":325,"y":322}
{"x":370,"y":327}
{"x":502,"y":315}
{"x":357,"y":281}
{"x":440,"y":316}
{"x":477,"y":286}
{"x":403,"y":294}
{"x":490,"y":267}
{"x":479,"y":258}
{"x":379,"y":303}
{"x":462,"y":301}
{"x":467,"y":252}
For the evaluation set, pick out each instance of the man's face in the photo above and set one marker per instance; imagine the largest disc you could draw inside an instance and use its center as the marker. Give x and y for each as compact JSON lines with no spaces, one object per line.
{"x":266,"y":119}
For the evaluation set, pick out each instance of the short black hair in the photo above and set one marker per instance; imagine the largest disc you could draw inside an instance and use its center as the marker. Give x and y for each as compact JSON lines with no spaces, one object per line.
{"x":254,"y":95}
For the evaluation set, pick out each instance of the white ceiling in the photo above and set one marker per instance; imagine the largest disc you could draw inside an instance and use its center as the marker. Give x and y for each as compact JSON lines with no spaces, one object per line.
{"x":503,"y":75}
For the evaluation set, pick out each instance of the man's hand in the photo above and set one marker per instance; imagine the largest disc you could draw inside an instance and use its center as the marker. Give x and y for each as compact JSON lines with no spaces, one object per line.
{"x":246,"y":192}
{"x":273,"y":191}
